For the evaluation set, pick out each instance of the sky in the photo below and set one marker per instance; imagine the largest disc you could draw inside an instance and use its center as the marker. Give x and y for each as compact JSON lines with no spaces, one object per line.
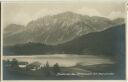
{"x":24,"y":12}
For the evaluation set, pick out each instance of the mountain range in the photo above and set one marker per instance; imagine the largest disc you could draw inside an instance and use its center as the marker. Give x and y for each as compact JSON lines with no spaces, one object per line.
{"x":56,"y":29}
{"x":110,"y":42}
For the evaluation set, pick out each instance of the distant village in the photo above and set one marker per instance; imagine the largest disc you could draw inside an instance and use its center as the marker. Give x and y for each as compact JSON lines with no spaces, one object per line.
{"x":34,"y":68}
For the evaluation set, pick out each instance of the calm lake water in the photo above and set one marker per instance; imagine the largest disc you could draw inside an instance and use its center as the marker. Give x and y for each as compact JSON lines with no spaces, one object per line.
{"x":63,"y":59}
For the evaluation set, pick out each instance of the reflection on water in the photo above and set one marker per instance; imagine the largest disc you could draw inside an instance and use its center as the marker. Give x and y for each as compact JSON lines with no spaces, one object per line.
{"x":63,"y":59}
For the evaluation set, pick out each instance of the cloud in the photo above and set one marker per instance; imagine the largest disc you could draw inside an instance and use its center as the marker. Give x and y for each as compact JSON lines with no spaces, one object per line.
{"x":88,"y":11}
{"x":23,"y":13}
{"x":114,"y":15}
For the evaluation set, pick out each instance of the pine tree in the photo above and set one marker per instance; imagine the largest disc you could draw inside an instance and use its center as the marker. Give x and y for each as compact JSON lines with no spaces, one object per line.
{"x":47,"y":69}
{"x":14,"y":64}
{"x":56,"y":68}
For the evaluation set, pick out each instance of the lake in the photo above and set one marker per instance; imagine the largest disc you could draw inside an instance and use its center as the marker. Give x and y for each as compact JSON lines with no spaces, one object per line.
{"x":66,"y":60}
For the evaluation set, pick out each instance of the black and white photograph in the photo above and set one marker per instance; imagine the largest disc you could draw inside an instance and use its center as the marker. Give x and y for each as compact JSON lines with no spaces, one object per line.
{"x":64,"y":40}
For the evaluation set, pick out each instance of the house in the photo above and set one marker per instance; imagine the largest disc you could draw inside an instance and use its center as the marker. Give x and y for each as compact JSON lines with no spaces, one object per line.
{"x":22,"y":64}
{"x":34,"y":66}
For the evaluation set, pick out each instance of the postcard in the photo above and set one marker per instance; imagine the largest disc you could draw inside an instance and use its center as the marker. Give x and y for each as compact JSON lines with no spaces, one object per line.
{"x":63,"y":40}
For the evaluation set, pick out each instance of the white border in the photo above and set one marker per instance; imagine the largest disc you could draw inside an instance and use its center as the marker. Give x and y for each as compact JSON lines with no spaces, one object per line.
{"x":33,"y":1}
{"x":126,"y":30}
{"x":1,"y":42}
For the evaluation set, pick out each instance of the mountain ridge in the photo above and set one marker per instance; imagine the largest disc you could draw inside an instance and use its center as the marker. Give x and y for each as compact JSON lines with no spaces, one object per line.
{"x":58,"y":29}
{"x":110,"y":42}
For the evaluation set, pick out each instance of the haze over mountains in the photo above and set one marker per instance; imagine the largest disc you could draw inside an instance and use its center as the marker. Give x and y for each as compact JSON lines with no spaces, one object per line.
{"x":57,"y":29}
